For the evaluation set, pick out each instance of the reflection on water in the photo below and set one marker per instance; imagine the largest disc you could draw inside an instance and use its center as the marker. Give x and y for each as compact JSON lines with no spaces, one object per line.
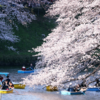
{"x":49,"y":96}
{"x":19,"y":97}
{"x":87,"y":96}
{"x":40,"y":94}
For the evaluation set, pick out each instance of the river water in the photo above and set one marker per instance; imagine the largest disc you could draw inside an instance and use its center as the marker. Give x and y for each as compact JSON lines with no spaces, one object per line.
{"x":40,"y":94}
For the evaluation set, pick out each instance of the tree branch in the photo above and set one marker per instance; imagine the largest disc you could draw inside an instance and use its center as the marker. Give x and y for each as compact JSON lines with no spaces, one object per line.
{"x":96,"y":69}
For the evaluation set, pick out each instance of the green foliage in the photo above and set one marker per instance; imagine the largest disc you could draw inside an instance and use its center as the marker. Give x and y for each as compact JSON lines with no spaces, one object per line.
{"x":30,"y":37}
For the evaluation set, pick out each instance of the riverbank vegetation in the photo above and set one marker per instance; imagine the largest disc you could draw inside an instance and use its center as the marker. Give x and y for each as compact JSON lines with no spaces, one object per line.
{"x":18,"y":35}
{"x":31,"y":36}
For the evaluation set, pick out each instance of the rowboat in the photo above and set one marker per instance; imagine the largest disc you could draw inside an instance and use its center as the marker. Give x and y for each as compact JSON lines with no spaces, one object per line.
{"x":6,"y":91}
{"x":51,"y":88}
{"x":19,"y":85}
{"x":94,"y":89}
{"x":4,"y":73}
{"x":26,"y":71}
{"x":65,"y":92}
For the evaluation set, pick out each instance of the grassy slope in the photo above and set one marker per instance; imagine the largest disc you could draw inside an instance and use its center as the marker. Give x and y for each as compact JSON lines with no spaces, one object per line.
{"x":30,"y":37}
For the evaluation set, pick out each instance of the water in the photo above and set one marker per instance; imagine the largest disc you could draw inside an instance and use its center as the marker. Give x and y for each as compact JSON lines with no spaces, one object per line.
{"x":19,"y":97}
{"x":40,"y":94}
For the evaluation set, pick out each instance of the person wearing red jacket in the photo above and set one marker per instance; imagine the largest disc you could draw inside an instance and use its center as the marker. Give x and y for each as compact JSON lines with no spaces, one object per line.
{"x":1,"y":78}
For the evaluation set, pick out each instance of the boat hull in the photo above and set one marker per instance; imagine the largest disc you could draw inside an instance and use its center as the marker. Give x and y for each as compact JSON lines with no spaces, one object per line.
{"x":94,"y":89}
{"x":4,"y":73}
{"x":64,"y":92}
{"x":19,"y":86}
{"x":6,"y":91}
{"x":21,"y":71}
{"x":51,"y":88}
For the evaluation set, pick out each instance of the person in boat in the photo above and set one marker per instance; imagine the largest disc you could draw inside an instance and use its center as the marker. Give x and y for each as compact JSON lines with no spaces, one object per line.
{"x":70,"y":88}
{"x":23,"y":68}
{"x":11,"y":86}
{"x":1,"y":78}
{"x":8,"y":80}
{"x":83,"y":84}
{"x":77,"y":88}
{"x":5,"y":85}
{"x":97,"y":83}
{"x":30,"y":68}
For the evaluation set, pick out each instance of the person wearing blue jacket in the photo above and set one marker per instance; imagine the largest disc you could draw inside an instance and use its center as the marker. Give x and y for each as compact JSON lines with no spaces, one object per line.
{"x":30,"y":68}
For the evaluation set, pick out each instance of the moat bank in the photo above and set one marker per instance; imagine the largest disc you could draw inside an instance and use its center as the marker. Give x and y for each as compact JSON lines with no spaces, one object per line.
{"x":29,"y":37}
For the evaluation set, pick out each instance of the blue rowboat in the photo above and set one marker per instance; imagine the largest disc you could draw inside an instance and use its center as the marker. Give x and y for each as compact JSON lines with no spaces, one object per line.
{"x":26,"y":71}
{"x":4,"y":73}
{"x":94,"y":89}
{"x":64,"y":92}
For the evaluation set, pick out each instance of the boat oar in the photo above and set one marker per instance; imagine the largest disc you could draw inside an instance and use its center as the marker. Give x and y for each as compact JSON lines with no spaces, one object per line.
{"x":17,"y":92}
{"x":83,"y":89}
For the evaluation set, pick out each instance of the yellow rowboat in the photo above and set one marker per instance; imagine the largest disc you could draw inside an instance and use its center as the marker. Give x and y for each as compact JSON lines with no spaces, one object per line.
{"x":51,"y":88}
{"x":19,"y":86}
{"x":6,"y":91}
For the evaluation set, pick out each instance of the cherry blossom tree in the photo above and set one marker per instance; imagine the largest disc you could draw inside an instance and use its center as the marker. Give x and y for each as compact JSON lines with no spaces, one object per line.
{"x":72,"y":48}
{"x":10,"y":12}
